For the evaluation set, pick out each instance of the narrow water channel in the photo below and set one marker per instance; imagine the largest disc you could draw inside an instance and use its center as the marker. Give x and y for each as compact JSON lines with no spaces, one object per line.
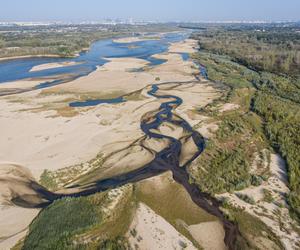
{"x":165,"y":160}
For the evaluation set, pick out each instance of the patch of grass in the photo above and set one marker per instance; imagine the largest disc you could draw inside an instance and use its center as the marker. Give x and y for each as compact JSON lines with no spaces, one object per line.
{"x":135,"y":96}
{"x":176,"y":201}
{"x":221,"y":69}
{"x":120,"y":219}
{"x":66,"y":111}
{"x":119,"y":243}
{"x":53,"y":180}
{"x":84,"y":223}
{"x":48,"y":181}
{"x":19,"y":245}
{"x":267,"y":196}
{"x":251,"y":227}
{"x":175,"y":206}
{"x":57,"y":225}
{"x":245,"y":198}
{"x":253,"y":231}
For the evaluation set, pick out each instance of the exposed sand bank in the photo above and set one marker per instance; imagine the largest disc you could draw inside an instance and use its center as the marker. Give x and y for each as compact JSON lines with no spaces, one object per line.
{"x":179,"y":208}
{"x":14,"y":223}
{"x":14,"y":220}
{"x":229,"y":107}
{"x":55,"y":146}
{"x":209,"y":235}
{"x":22,"y":84}
{"x":52,"y":66}
{"x":186,"y":46}
{"x":35,"y":135}
{"x":119,"y":75}
{"x":135,"y":39}
{"x":114,"y":76}
{"x":176,"y":199}
{"x":154,"y":232}
{"x":51,"y":139}
{"x":265,"y":210}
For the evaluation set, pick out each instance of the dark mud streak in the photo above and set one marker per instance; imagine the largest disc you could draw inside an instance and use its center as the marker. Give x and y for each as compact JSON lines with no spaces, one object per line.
{"x":180,"y":174}
{"x":165,"y":160}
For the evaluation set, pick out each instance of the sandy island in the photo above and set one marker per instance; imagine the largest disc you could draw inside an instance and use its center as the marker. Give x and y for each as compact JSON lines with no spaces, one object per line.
{"x":135,"y":39}
{"x":53,"y":65}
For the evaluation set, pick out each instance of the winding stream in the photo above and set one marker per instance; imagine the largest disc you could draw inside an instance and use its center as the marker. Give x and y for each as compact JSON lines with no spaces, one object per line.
{"x":165,"y":160}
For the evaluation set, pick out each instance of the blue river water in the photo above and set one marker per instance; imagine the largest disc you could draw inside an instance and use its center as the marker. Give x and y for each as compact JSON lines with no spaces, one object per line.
{"x":96,"y":102}
{"x":18,"y":69}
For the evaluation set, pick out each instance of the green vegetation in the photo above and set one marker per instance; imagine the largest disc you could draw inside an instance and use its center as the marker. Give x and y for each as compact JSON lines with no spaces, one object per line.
{"x":268,"y":196}
{"x":83,"y":223}
{"x":65,"y":44}
{"x":64,"y":40}
{"x":228,"y":171}
{"x":246,"y":198}
{"x":282,"y":126}
{"x":230,"y":55}
{"x":284,"y":87}
{"x":48,"y":181}
{"x":256,"y":233}
{"x":119,"y":243}
{"x":273,"y":49}
{"x":57,"y":226}
{"x":222,"y":69}
{"x":176,"y":204}
{"x":53,"y":180}
{"x":226,"y":163}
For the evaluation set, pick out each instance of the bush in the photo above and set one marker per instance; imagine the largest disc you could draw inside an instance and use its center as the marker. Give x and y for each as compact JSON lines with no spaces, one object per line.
{"x":119,"y":243}
{"x":246,"y":198}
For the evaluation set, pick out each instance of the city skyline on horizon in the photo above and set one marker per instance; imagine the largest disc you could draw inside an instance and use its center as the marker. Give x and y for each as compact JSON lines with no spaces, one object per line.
{"x":167,"y":11}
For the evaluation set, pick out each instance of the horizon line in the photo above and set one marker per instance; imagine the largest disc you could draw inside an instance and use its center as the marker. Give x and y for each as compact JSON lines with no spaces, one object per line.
{"x":149,"y":21}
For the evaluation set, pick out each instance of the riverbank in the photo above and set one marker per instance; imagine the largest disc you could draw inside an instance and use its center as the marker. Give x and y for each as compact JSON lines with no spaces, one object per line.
{"x":110,"y":129}
{"x":33,"y":56}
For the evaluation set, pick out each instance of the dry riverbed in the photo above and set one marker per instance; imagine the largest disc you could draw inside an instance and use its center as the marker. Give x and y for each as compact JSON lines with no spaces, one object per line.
{"x":40,"y":131}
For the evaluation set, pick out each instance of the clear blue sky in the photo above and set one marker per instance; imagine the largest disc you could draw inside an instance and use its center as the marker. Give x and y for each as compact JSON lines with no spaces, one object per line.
{"x":164,"y":10}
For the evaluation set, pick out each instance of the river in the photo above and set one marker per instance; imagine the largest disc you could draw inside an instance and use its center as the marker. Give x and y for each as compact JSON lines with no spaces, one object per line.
{"x":165,"y":160}
{"x":17,"y":69}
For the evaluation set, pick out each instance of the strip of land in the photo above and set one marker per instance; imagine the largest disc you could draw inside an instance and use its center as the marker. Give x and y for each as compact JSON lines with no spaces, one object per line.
{"x":53,"y":66}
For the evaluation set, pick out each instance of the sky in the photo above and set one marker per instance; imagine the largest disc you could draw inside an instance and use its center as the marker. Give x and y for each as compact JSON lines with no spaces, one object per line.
{"x":150,"y":10}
